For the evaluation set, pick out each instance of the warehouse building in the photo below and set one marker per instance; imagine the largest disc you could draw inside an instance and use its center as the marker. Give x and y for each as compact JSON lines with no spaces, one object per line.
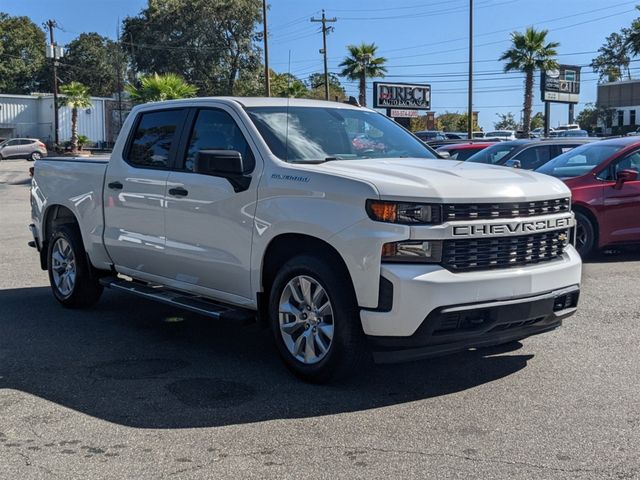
{"x":32,"y":116}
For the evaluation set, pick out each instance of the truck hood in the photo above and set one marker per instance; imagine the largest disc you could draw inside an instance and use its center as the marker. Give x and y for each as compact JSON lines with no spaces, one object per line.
{"x":447,"y":180}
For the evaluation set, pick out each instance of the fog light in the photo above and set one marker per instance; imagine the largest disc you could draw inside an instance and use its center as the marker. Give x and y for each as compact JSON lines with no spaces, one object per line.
{"x":423,"y":251}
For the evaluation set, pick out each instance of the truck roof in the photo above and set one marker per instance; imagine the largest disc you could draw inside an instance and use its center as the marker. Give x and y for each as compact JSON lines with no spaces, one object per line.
{"x":257,"y":102}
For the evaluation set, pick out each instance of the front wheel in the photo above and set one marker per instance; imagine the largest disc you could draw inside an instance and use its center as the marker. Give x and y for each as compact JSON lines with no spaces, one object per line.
{"x":70,"y":274}
{"x":315,"y":321}
{"x":585,"y":235}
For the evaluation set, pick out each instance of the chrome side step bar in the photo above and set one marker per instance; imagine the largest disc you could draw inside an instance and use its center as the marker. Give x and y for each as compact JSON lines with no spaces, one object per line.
{"x":193,"y":303}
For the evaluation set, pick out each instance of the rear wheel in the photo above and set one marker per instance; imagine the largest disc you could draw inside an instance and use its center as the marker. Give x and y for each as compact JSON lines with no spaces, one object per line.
{"x":315,"y":321}
{"x":35,"y":156}
{"x":70,"y":275}
{"x":585,"y":235}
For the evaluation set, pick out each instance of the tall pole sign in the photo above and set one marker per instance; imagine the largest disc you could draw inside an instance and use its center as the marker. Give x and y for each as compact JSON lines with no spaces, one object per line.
{"x":560,"y":85}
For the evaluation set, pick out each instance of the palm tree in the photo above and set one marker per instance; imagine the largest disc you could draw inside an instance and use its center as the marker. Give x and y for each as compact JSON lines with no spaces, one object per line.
{"x":76,"y":95}
{"x":155,"y":88}
{"x":362,"y":63}
{"x":530,"y":52}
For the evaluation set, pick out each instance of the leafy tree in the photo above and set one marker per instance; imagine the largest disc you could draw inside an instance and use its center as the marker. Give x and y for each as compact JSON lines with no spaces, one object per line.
{"x":613,"y":61}
{"x":76,"y":95}
{"x":211,"y":42}
{"x":590,"y":115}
{"x":22,"y":54}
{"x":94,"y":61}
{"x":529,"y":52}
{"x":362,"y":63}
{"x":454,"y":122}
{"x":155,"y":88}
{"x":316,"y":87}
{"x":537,"y":121}
{"x":507,"y":122}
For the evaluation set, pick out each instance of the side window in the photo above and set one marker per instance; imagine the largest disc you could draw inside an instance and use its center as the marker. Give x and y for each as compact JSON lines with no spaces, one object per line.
{"x":153,"y":138}
{"x":534,"y":157}
{"x":630,"y":162}
{"x":13,"y":143}
{"x":217,"y":130}
{"x":26,"y":142}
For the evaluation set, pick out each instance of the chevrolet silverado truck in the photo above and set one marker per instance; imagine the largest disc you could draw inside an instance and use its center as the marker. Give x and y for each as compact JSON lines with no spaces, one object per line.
{"x":329,"y":222}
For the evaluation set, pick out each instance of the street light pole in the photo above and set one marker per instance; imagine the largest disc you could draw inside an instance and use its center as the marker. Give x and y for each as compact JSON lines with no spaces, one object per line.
{"x":325,"y":29}
{"x":267,"y":80}
{"x":470,"y":99}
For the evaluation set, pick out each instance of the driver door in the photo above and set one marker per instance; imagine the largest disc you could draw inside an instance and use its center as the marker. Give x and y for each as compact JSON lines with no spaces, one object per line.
{"x":621,"y":222}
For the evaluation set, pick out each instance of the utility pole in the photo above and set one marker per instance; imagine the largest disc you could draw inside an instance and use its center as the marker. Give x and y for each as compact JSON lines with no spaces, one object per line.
{"x":267,"y":80}
{"x":51,"y":24}
{"x":470,"y":106}
{"x":325,"y":29}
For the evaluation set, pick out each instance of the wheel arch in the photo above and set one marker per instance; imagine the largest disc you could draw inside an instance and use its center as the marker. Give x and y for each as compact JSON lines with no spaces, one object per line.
{"x":285,"y":246}
{"x":587,"y":212}
{"x":54,"y":216}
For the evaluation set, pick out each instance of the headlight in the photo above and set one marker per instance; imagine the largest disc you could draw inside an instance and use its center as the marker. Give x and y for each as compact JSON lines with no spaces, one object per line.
{"x":421,"y":251}
{"x":404,"y":213}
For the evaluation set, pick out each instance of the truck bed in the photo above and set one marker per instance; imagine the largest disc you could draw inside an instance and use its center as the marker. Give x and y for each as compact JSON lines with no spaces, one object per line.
{"x":76,"y":183}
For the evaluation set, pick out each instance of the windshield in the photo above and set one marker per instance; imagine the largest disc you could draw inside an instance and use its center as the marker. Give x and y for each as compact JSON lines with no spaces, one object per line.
{"x":579,"y":161}
{"x":312,"y":134}
{"x":494,"y":154}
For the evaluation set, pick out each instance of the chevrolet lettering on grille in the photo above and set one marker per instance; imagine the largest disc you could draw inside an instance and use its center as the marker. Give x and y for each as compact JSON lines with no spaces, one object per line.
{"x":511,"y":228}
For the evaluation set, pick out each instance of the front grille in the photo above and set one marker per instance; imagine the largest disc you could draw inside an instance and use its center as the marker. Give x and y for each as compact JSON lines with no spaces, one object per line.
{"x":480,"y":211}
{"x":500,"y":252}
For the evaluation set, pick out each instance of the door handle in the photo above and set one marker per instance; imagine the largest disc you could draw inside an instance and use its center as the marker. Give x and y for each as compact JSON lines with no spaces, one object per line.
{"x":115,"y":186}
{"x":178,"y":192}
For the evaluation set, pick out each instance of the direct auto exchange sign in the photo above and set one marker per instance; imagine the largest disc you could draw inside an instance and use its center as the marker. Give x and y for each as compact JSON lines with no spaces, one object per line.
{"x":401,"y":95}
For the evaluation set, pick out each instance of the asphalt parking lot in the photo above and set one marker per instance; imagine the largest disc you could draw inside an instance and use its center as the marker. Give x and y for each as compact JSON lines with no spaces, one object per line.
{"x":125,"y":391}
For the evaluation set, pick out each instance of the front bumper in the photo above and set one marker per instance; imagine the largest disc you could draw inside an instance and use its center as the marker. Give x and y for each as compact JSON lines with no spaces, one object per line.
{"x":456,"y":328}
{"x":420,"y":293}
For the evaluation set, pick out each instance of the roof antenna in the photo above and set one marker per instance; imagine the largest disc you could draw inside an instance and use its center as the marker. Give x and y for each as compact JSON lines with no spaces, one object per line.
{"x":286,"y":137}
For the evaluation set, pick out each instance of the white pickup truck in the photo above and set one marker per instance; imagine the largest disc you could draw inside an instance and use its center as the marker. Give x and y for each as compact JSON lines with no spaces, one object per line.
{"x":327,"y":221}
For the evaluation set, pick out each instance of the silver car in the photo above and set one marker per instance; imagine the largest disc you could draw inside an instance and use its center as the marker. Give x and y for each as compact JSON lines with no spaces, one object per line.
{"x":29,"y":148}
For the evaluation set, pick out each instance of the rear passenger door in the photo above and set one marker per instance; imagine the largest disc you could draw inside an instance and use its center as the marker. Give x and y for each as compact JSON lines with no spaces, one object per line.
{"x":209,"y":225}
{"x":134,"y":193}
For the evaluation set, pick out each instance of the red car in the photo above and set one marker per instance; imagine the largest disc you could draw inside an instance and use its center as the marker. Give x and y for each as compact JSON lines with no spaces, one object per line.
{"x":462,"y":151}
{"x":603,"y":178}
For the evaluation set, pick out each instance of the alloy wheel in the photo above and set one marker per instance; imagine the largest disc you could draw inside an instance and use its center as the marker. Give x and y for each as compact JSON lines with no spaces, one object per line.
{"x":63,"y":263}
{"x":306,"y":319}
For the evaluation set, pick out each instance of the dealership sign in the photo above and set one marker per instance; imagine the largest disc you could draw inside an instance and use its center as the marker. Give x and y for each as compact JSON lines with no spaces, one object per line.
{"x":401,"y":96}
{"x":561,"y":84}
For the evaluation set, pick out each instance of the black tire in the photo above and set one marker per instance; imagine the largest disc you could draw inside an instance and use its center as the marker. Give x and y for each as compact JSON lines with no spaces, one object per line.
{"x":34,"y":156}
{"x":86,"y":289}
{"x":585,"y":235}
{"x":348,"y":348}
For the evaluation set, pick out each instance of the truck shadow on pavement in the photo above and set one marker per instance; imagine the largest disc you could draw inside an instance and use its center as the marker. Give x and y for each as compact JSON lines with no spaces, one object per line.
{"x":131,"y":362}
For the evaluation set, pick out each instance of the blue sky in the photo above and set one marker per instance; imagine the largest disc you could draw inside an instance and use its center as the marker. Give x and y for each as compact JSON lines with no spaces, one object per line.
{"x":424,"y":41}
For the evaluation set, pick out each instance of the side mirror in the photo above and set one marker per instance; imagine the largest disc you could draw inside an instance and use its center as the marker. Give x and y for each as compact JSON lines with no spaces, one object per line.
{"x":626,"y":175}
{"x":444,"y":154}
{"x":225,"y":164}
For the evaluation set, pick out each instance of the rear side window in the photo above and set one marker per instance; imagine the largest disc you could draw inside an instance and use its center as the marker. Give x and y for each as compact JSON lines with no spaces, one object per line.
{"x":534,"y":157}
{"x":217,"y":130}
{"x":153,"y":138}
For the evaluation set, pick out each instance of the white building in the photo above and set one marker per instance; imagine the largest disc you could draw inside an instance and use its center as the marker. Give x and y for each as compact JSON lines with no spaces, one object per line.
{"x":32,"y":116}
